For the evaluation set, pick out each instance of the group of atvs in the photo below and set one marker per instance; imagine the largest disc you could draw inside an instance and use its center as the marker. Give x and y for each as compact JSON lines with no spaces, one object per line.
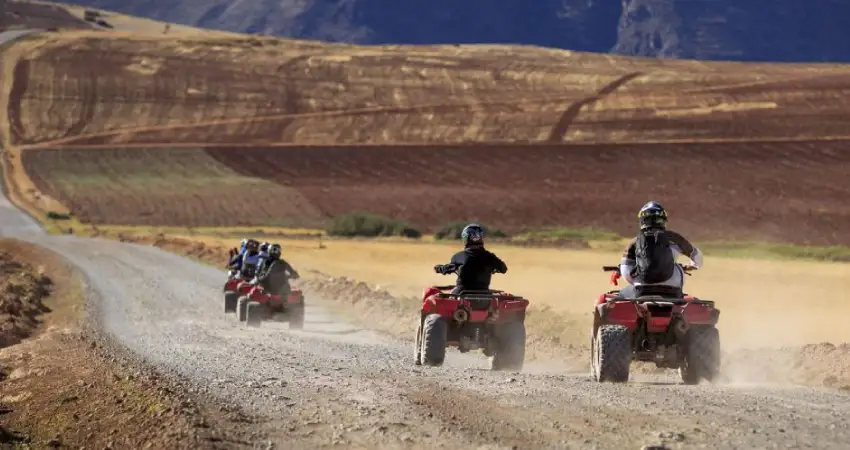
{"x":252,"y":301}
{"x":654,"y":324}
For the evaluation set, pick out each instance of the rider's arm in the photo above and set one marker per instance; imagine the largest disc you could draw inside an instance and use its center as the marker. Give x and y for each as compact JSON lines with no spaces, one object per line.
{"x":498,"y":264}
{"x":686,"y":248}
{"x":288,"y":267}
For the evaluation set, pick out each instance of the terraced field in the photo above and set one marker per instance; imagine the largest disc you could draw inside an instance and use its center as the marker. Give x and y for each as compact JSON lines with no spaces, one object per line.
{"x":792,"y":192}
{"x":182,"y":187}
{"x":90,"y":87}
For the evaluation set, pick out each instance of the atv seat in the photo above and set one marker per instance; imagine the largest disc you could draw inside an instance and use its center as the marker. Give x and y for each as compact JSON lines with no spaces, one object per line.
{"x":659,"y":291}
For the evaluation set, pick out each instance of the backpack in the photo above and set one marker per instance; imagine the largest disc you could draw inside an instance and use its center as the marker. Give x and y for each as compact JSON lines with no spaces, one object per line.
{"x":654,"y":257}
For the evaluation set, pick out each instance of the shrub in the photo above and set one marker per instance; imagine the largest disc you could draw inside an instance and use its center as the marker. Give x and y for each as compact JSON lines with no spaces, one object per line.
{"x":369,"y":225}
{"x":53,"y":215}
{"x":454,"y":229}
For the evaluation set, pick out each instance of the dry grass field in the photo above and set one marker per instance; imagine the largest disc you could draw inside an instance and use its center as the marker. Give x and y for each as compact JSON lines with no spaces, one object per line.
{"x":762,"y":302}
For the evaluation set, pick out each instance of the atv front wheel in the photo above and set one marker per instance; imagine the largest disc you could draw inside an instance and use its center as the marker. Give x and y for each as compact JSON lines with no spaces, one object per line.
{"x":241,"y":308}
{"x":230,"y":299}
{"x":702,"y":357}
{"x":434,"y":340}
{"x":612,"y":353}
{"x":254,"y":314}
{"x":296,"y":317}
{"x":510,"y":347}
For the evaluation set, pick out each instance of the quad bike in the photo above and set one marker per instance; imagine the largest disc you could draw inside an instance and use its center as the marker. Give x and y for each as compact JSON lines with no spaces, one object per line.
{"x":235,"y":287}
{"x":257,"y":305}
{"x":661,"y":325}
{"x":490,"y":320}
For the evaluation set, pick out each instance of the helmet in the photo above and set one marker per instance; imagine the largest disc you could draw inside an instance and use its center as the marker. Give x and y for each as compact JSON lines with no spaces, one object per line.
{"x":274,"y":251}
{"x":652,"y":215}
{"x":243,"y":243}
{"x":264,"y":247}
{"x":251,"y":245}
{"x":472,"y":235}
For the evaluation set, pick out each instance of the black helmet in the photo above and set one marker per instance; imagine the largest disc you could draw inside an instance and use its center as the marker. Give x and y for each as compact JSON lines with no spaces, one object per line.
{"x":274,"y":251}
{"x":652,"y":215}
{"x":252,"y":245}
{"x":472,"y":235}
{"x":264,"y":247}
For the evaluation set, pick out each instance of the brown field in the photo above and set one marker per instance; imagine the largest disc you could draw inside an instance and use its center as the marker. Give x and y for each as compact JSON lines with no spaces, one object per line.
{"x":92,"y":87}
{"x":790,"y":192}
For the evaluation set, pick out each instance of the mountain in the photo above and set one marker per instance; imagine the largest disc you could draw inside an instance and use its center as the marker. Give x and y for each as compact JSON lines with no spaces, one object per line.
{"x":782,"y":30}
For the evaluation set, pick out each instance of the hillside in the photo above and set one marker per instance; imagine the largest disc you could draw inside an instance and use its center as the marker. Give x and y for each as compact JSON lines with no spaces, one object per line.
{"x":694,"y":29}
{"x":90,"y":87}
{"x":203,"y":130}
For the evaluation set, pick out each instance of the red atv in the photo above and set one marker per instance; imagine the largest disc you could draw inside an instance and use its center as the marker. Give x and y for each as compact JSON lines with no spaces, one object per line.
{"x":257,"y":305}
{"x":235,"y":287}
{"x":661,"y":325}
{"x":490,"y":320}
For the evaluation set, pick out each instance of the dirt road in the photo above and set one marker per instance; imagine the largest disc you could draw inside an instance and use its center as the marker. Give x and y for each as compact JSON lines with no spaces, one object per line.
{"x":334,"y":384}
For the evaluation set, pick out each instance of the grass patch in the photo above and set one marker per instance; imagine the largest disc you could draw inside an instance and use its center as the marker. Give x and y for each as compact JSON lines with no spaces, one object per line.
{"x":569,"y":234}
{"x":370,"y":225}
{"x":452,"y":231}
{"x":766,"y":250}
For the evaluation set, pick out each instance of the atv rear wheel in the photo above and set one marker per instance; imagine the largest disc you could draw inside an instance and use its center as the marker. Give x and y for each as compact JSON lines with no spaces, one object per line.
{"x":296,"y":317}
{"x":702,"y":357}
{"x":230,"y":299}
{"x":510,"y":347}
{"x":241,"y":308}
{"x":254,"y":314}
{"x":434,"y":340}
{"x":611,"y":353}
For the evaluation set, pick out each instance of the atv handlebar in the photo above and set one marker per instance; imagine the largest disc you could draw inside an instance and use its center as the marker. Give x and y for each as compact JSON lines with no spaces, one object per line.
{"x":451,"y":268}
{"x":686,"y":268}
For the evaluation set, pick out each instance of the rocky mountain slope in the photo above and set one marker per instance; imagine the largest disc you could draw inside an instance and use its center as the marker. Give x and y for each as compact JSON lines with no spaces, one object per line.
{"x":702,"y":29}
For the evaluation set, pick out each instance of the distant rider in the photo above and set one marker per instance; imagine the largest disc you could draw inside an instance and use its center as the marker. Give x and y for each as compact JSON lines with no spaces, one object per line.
{"x":264,"y":255}
{"x":250,"y":259}
{"x":650,"y":258}
{"x":474,"y":265}
{"x":235,"y":261}
{"x":276,"y":273}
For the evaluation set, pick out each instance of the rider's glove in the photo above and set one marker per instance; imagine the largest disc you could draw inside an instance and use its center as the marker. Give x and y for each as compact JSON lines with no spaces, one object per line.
{"x":439,"y":268}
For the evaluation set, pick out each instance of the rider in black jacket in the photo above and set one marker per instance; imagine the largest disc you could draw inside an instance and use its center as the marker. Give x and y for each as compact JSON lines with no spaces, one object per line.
{"x":474,"y":265}
{"x":276,"y":273}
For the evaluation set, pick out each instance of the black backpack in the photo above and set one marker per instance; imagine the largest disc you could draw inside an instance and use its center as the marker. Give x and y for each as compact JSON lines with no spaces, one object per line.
{"x":654,"y":257}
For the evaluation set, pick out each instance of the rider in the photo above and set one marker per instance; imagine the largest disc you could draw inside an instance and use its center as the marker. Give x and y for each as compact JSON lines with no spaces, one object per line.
{"x":650,"y":258}
{"x":264,"y":255}
{"x":250,"y":259}
{"x":276,"y":273}
{"x":235,"y":261}
{"x":474,"y":265}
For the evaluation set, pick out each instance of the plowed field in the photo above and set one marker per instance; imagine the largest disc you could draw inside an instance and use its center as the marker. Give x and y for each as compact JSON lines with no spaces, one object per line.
{"x":178,"y":187}
{"x":98,"y":88}
{"x":792,"y":192}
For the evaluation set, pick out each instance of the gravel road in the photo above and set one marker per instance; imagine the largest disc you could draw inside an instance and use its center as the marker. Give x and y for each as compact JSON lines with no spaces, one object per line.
{"x":335,"y":385}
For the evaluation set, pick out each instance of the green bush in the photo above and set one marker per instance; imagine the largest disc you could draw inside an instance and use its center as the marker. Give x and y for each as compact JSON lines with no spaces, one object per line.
{"x":369,"y":225}
{"x":454,"y":229}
